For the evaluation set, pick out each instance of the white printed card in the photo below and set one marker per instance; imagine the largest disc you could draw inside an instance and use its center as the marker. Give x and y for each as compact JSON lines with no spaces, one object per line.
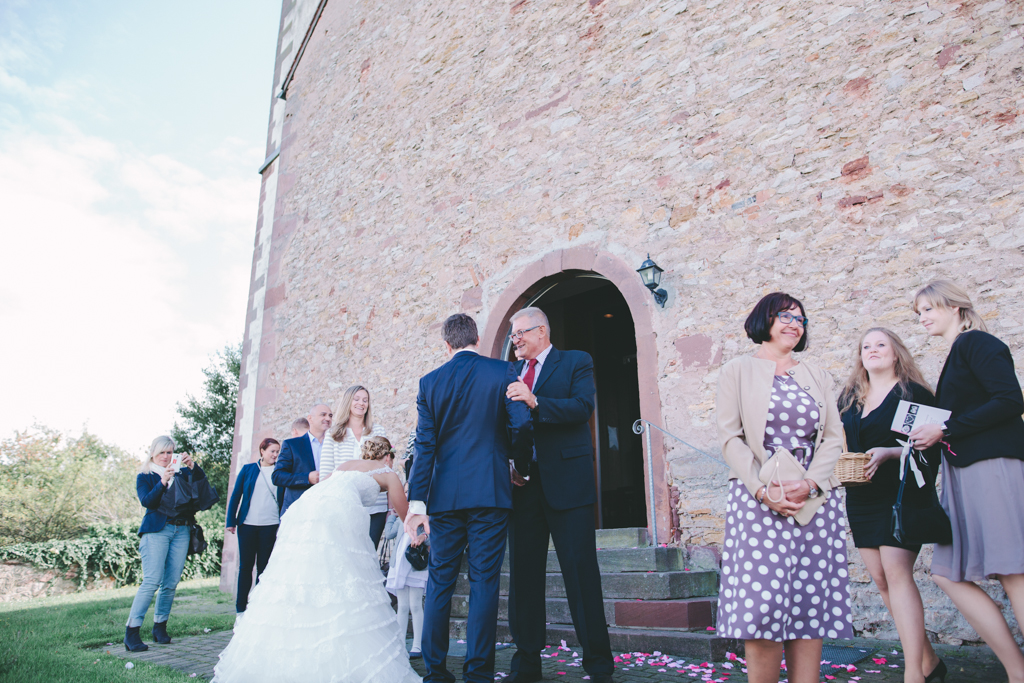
{"x":910,"y":415}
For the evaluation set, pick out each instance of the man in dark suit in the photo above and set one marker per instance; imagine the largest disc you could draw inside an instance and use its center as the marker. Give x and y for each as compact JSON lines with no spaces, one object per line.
{"x":556,"y":495}
{"x":468,"y":429}
{"x":298,"y":465}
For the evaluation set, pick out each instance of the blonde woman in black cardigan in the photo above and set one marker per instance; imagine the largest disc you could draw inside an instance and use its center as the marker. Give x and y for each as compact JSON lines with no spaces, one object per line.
{"x":982,"y":468}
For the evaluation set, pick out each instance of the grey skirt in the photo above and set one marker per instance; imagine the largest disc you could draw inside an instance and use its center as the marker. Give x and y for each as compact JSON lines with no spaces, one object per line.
{"x":985,"y":504}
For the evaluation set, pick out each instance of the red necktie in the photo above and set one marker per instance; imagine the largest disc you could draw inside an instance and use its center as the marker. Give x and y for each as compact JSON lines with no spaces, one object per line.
{"x":530,"y":374}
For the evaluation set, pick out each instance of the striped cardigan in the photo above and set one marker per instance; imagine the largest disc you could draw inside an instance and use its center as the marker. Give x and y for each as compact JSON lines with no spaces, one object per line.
{"x":333,"y":453}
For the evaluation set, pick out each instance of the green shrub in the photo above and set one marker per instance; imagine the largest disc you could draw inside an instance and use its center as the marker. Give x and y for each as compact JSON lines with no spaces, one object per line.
{"x":53,"y":486}
{"x":112,"y":550}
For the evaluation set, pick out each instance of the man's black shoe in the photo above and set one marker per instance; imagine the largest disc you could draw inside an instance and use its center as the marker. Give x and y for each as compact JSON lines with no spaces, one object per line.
{"x":517,"y":677}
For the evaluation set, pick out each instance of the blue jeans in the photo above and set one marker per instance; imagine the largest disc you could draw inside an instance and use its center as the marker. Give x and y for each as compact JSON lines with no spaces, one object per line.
{"x":163,"y":558}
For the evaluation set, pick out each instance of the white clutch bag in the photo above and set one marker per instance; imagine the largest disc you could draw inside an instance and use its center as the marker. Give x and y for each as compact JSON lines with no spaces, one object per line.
{"x":783,"y":466}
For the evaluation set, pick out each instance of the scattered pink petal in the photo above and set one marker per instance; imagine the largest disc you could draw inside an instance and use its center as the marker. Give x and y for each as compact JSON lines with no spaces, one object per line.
{"x":711,"y":628}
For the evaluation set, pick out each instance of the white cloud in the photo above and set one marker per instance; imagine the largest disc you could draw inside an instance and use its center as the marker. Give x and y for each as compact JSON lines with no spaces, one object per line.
{"x":121,"y":274}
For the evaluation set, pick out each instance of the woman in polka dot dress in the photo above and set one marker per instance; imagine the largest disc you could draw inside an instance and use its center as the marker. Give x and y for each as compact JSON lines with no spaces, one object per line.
{"x":784,"y":587}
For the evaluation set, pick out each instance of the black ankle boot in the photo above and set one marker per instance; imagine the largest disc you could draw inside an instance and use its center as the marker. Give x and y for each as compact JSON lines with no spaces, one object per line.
{"x":939,"y":674}
{"x":132,"y":640}
{"x":160,"y":633}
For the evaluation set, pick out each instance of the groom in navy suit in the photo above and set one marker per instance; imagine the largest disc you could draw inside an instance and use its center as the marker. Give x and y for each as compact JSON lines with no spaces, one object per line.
{"x":298,"y":465}
{"x":467,"y":432}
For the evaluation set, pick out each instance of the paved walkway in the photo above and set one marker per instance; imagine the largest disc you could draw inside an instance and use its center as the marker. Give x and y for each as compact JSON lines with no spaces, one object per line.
{"x":198,"y":654}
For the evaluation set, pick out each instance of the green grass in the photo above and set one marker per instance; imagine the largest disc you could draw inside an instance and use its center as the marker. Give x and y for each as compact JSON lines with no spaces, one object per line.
{"x":52,"y":640}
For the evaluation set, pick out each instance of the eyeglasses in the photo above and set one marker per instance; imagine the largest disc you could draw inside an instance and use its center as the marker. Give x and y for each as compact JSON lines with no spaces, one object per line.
{"x":517,"y":336}
{"x":785,"y":317}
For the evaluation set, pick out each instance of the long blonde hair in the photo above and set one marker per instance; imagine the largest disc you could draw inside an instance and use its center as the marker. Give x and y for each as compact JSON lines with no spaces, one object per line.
{"x":159,"y":443}
{"x":946,"y":294}
{"x":904,"y":367}
{"x":343,"y":413}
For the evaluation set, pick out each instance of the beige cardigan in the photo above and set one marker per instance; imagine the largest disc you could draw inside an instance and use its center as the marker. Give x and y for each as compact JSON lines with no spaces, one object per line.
{"x":744,"y":391}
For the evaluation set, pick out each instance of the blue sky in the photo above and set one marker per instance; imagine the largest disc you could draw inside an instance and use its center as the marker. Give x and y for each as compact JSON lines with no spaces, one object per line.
{"x":130,"y":135}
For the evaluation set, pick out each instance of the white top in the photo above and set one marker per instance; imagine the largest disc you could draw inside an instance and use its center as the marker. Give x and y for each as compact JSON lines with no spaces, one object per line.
{"x":335,"y":453}
{"x":263,"y":505}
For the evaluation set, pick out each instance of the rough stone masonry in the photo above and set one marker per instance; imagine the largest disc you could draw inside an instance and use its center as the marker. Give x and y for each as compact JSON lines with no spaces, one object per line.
{"x":434,"y":154}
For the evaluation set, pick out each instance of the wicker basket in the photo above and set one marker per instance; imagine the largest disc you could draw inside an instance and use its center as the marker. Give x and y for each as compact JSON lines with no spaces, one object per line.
{"x":850,"y":469}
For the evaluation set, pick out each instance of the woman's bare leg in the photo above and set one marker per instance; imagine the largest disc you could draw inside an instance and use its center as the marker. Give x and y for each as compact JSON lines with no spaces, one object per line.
{"x":984,"y":615}
{"x":803,"y":660}
{"x":872,"y":559}
{"x":908,"y":613}
{"x":764,"y":661}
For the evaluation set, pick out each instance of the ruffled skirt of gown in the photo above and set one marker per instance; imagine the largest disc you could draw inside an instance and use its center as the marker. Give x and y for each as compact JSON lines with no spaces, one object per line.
{"x":320,"y":611}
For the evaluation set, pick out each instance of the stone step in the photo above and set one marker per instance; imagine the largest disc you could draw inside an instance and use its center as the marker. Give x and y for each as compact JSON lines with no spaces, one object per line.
{"x":648,"y":559}
{"x":557,"y":609}
{"x":628,"y":585}
{"x":686,"y":613}
{"x":700,"y":645}
{"x":633,"y":537}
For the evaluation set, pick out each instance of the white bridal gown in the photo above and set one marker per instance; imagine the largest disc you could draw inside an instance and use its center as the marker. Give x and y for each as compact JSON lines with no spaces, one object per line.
{"x":320,"y":611}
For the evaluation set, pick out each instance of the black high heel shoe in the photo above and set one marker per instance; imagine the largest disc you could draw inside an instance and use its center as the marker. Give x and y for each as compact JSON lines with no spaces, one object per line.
{"x":938,"y":674}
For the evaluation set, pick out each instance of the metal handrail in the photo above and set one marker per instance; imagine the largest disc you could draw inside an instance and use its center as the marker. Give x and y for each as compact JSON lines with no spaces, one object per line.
{"x":643,"y":426}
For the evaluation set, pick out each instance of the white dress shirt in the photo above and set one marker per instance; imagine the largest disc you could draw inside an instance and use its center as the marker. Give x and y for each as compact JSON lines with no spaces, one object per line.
{"x":317,"y":447}
{"x":541,"y":357}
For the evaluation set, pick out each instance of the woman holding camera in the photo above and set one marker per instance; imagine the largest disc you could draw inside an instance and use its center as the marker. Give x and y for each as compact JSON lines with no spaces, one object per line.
{"x":982,"y":468}
{"x":163,"y":540}
{"x":254,"y":509}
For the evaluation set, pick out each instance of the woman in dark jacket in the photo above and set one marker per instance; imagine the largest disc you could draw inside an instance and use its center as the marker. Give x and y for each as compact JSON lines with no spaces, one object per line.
{"x":255,"y":510}
{"x":884,"y":373}
{"x":164,"y":537}
{"x":982,"y":468}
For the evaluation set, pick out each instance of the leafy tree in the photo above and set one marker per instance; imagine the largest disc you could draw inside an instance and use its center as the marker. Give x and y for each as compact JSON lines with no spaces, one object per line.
{"x":53,"y":487}
{"x":207,"y":427}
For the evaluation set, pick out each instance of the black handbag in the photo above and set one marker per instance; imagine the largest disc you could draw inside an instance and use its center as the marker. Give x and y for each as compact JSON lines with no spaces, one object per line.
{"x":918,"y":518}
{"x":190,"y":495}
{"x":418,"y":555}
{"x":196,"y":541}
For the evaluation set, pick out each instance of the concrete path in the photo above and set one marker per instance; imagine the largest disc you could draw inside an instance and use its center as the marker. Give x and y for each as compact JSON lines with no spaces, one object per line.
{"x":198,"y":655}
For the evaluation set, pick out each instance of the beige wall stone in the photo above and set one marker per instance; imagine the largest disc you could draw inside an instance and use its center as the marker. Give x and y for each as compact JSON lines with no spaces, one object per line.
{"x":845,"y":152}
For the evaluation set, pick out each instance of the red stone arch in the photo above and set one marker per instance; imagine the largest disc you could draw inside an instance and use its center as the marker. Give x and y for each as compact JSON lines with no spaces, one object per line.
{"x":564,"y":264}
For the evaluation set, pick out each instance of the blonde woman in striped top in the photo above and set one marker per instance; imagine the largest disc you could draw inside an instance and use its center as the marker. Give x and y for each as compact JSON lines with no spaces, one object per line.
{"x":354,"y":426}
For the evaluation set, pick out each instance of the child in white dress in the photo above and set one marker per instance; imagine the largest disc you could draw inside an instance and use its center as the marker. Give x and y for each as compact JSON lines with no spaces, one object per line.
{"x":406,"y":583}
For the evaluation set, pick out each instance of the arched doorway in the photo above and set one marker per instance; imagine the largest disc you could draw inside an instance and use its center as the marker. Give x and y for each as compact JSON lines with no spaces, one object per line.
{"x":585,"y":272}
{"x":587,"y":313}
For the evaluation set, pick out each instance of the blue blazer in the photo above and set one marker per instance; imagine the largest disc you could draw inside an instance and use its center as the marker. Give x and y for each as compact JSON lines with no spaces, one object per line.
{"x":245,"y":483}
{"x":151,"y":493}
{"x":466,"y":433}
{"x":561,"y":428}
{"x":292,"y":470}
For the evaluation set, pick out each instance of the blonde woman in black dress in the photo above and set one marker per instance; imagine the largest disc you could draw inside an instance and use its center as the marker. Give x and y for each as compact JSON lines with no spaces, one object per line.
{"x":982,"y":468}
{"x":883,"y":373}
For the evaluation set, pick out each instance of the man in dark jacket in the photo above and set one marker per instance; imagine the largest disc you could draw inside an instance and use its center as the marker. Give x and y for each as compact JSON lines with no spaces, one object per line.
{"x":555,"y":494}
{"x":467,"y":432}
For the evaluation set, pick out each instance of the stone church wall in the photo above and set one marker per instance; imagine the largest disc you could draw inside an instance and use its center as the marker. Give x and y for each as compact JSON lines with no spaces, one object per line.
{"x":845,"y":152}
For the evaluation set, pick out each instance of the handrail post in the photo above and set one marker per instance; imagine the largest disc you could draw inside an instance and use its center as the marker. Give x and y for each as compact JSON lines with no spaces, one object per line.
{"x":644,"y":425}
{"x":650,"y":478}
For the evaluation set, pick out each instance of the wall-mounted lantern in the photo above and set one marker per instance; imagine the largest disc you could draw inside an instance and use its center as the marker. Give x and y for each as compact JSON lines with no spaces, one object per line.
{"x":650,"y":273}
